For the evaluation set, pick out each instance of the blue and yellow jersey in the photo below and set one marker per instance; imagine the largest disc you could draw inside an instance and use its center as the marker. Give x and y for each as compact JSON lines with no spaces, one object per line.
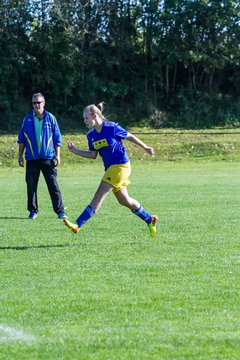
{"x":108,"y":143}
{"x":50,"y":137}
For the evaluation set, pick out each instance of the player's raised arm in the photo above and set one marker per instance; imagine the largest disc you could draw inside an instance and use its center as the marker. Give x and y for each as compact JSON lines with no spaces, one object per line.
{"x":84,"y":153}
{"x":135,"y":140}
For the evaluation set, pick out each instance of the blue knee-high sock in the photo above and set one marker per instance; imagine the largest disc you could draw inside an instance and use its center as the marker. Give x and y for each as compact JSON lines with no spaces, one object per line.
{"x":85,"y":216}
{"x":143,"y":214}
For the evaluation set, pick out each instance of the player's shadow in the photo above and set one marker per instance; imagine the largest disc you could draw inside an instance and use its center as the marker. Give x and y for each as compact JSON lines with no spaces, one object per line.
{"x":30,"y":247}
{"x":12,"y":218}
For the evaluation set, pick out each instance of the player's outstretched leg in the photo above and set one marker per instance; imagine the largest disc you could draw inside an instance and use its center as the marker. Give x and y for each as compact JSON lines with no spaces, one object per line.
{"x":81,"y":220}
{"x":71,"y":226}
{"x":125,"y":200}
{"x":153,"y":226}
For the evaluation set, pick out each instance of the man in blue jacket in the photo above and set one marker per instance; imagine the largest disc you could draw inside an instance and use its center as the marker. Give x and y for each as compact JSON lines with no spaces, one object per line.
{"x":40,"y":137}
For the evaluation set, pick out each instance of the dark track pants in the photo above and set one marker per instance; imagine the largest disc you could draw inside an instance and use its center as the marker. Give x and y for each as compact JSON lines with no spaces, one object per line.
{"x":33,"y":168}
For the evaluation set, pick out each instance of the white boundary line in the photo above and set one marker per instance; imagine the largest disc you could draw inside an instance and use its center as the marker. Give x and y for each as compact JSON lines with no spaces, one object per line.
{"x":11,"y":334}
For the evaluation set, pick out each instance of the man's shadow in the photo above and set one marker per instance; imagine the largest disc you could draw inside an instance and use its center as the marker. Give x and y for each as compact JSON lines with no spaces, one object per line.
{"x":30,"y":247}
{"x":12,"y":218}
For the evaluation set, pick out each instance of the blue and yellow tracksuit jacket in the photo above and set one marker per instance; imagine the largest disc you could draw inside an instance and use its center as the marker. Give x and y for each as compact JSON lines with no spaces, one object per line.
{"x":51,"y":137}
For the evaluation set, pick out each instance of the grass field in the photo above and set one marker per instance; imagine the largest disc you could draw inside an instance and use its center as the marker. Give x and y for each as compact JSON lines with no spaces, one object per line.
{"x":112,"y":292}
{"x":169,"y":145}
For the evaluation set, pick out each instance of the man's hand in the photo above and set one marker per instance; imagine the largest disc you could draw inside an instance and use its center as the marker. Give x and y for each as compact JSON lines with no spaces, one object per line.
{"x":20,"y":161}
{"x":57,"y":160}
{"x":20,"y":154}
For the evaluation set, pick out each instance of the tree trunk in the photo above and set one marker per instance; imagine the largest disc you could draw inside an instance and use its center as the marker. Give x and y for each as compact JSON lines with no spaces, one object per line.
{"x":167,"y":81}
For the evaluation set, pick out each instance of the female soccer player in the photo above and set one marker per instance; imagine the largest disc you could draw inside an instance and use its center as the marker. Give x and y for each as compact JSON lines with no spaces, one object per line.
{"x":105,"y":138}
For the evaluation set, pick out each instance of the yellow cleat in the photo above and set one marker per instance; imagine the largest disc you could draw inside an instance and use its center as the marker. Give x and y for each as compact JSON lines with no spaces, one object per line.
{"x":153,"y":226}
{"x":74,"y":227}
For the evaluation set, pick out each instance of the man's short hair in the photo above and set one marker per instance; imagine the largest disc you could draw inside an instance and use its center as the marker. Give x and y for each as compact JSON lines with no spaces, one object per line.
{"x":38,"y":95}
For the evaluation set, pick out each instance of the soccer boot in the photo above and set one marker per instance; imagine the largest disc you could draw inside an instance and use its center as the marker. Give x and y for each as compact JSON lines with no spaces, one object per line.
{"x":74,"y":227}
{"x":153,"y":226}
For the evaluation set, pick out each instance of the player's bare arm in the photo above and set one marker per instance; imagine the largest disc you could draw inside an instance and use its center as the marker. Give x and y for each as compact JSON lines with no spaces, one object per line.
{"x":84,"y":153}
{"x":135,"y":140}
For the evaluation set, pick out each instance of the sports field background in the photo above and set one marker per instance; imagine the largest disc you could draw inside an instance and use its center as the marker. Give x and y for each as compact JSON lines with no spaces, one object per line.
{"x":112,"y":292}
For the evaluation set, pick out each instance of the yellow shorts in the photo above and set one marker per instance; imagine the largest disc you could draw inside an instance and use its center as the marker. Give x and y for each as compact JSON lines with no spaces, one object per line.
{"x":118,"y":176}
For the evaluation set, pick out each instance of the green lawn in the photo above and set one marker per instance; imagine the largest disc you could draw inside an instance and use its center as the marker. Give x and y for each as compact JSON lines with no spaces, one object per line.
{"x":169,"y":145}
{"x":112,"y":292}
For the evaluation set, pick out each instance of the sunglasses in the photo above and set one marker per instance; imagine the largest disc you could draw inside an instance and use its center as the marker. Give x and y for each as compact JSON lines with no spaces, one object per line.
{"x":37,"y":102}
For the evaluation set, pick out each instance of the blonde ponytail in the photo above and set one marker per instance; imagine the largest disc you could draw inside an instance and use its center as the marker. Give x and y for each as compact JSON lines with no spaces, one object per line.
{"x":100,"y":106}
{"x":95,"y":109}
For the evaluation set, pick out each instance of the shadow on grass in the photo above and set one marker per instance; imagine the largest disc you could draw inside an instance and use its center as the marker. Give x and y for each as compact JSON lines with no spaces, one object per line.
{"x":30,"y":247}
{"x":13,"y":218}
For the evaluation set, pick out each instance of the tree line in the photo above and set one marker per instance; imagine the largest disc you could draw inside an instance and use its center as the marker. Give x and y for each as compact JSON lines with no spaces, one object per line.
{"x":155,"y":63}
